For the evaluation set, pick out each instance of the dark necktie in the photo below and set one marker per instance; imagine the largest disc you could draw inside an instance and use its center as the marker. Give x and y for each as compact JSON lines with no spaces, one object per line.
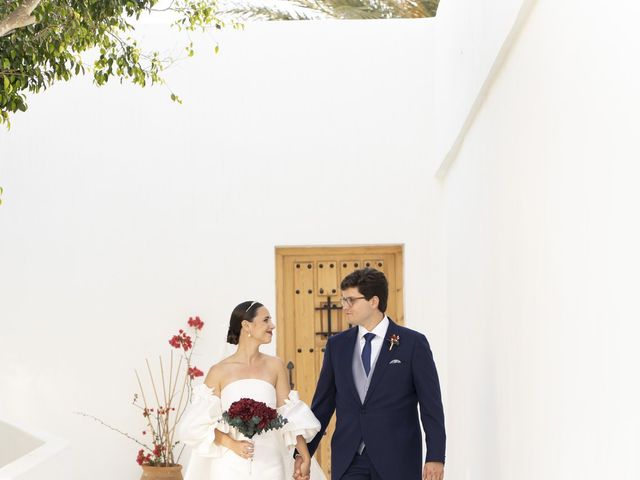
{"x":366,"y":352}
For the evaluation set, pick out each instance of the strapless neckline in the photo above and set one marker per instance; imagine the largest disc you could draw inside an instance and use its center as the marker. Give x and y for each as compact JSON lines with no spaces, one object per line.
{"x":245,"y":380}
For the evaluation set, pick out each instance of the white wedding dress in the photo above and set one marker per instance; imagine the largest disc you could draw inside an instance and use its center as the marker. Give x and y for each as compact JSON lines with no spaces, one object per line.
{"x":273,"y":450}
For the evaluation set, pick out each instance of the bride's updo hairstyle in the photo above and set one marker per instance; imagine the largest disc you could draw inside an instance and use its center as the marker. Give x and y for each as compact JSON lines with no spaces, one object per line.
{"x":245,"y":311}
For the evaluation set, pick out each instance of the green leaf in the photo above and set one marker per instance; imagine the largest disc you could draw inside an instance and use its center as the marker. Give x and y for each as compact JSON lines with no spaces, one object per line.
{"x":52,"y":49}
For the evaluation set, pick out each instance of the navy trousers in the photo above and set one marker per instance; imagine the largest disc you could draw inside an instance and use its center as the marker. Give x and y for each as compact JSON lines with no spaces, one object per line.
{"x":361,"y":468}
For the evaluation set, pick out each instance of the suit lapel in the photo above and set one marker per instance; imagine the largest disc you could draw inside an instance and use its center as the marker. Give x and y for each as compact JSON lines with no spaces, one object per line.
{"x":346,"y":358}
{"x":383,"y":360}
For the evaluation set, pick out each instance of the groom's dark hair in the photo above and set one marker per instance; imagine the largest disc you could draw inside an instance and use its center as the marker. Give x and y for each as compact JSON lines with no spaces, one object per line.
{"x":369,"y":282}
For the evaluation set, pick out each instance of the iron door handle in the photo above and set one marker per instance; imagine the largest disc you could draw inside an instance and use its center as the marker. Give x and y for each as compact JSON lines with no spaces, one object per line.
{"x":290,"y":367}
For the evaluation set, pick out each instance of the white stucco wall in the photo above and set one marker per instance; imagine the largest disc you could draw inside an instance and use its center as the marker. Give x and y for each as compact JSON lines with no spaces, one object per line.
{"x":542,"y":257}
{"x":125,"y":213}
{"x":472,"y":39}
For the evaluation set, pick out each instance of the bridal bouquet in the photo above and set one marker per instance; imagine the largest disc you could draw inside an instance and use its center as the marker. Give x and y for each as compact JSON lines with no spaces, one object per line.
{"x":251,"y":418}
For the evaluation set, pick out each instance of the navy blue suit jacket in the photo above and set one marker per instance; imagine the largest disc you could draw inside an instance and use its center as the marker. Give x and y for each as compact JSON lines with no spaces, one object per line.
{"x":387,"y":421}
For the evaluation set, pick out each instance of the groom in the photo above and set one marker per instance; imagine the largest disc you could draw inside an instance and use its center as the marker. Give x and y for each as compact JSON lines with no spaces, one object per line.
{"x":374,"y":376}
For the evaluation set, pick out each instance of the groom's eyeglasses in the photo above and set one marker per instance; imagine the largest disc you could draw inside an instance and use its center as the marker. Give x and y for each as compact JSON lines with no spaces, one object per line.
{"x":348,"y":301}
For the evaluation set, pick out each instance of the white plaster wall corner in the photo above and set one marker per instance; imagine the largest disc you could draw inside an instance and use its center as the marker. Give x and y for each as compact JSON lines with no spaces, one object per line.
{"x":473,"y":40}
{"x":24,"y":448}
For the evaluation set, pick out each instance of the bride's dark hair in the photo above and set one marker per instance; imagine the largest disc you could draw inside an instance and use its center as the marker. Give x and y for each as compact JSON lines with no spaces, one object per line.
{"x":244,"y":311}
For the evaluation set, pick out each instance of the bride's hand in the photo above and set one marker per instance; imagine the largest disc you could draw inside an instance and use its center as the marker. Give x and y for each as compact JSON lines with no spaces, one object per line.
{"x":242,"y":448}
{"x":305,"y":468}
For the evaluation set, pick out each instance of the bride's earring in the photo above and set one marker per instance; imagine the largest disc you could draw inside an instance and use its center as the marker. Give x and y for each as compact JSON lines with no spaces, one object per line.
{"x":249,"y":334}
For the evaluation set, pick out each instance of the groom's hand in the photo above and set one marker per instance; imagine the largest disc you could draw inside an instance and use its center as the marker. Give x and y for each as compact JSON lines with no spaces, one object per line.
{"x":433,"y":471}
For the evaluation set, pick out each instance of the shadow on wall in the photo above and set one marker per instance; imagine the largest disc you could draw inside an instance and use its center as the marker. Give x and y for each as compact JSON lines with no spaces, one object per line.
{"x":21,"y":450}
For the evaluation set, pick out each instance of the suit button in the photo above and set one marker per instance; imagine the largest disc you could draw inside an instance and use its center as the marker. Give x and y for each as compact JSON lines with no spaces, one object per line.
{"x":363,"y":411}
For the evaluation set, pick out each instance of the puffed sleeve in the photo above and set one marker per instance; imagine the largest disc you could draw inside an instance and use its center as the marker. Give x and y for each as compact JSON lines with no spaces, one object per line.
{"x":200,"y":421}
{"x":300,"y":420}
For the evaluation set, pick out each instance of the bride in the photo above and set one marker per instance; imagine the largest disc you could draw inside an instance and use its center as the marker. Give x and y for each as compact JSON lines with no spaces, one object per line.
{"x":219,"y":451}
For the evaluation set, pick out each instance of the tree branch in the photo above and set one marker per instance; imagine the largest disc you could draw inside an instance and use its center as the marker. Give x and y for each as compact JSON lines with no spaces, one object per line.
{"x":21,"y":17}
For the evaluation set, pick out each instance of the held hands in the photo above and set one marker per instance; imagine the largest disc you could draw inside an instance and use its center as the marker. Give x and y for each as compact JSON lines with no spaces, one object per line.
{"x":242,"y":448}
{"x":433,"y":471}
{"x":302,"y":468}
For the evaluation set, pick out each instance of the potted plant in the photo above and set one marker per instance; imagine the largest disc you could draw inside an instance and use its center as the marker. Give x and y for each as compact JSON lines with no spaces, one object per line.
{"x":163,"y":405}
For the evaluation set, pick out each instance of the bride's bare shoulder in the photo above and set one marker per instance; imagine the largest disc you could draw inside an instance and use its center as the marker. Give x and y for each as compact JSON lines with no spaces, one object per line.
{"x":216,"y":374}
{"x":275,"y":363}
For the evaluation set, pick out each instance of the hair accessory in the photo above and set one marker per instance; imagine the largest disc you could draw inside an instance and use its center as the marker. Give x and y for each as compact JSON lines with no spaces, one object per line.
{"x":249,"y":308}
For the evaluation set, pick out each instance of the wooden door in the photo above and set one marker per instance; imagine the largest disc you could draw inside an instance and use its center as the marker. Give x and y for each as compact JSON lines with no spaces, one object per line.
{"x":308,"y":309}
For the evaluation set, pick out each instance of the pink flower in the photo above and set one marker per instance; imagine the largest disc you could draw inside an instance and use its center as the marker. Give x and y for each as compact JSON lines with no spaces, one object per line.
{"x":194,"y":372}
{"x":182,"y":340}
{"x":142,"y":458}
{"x":157,"y":450}
{"x":196,"y":323}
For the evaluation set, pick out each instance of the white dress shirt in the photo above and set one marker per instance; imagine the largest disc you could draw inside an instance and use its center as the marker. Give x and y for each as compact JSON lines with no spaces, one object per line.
{"x":376,"y":343}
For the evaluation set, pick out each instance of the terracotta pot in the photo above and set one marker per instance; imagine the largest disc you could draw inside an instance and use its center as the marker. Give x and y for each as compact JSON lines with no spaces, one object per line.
{"x":161,"y":473}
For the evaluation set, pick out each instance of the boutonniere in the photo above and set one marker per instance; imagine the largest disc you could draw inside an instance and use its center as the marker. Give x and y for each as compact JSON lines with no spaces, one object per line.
{"x":394,"y":341}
